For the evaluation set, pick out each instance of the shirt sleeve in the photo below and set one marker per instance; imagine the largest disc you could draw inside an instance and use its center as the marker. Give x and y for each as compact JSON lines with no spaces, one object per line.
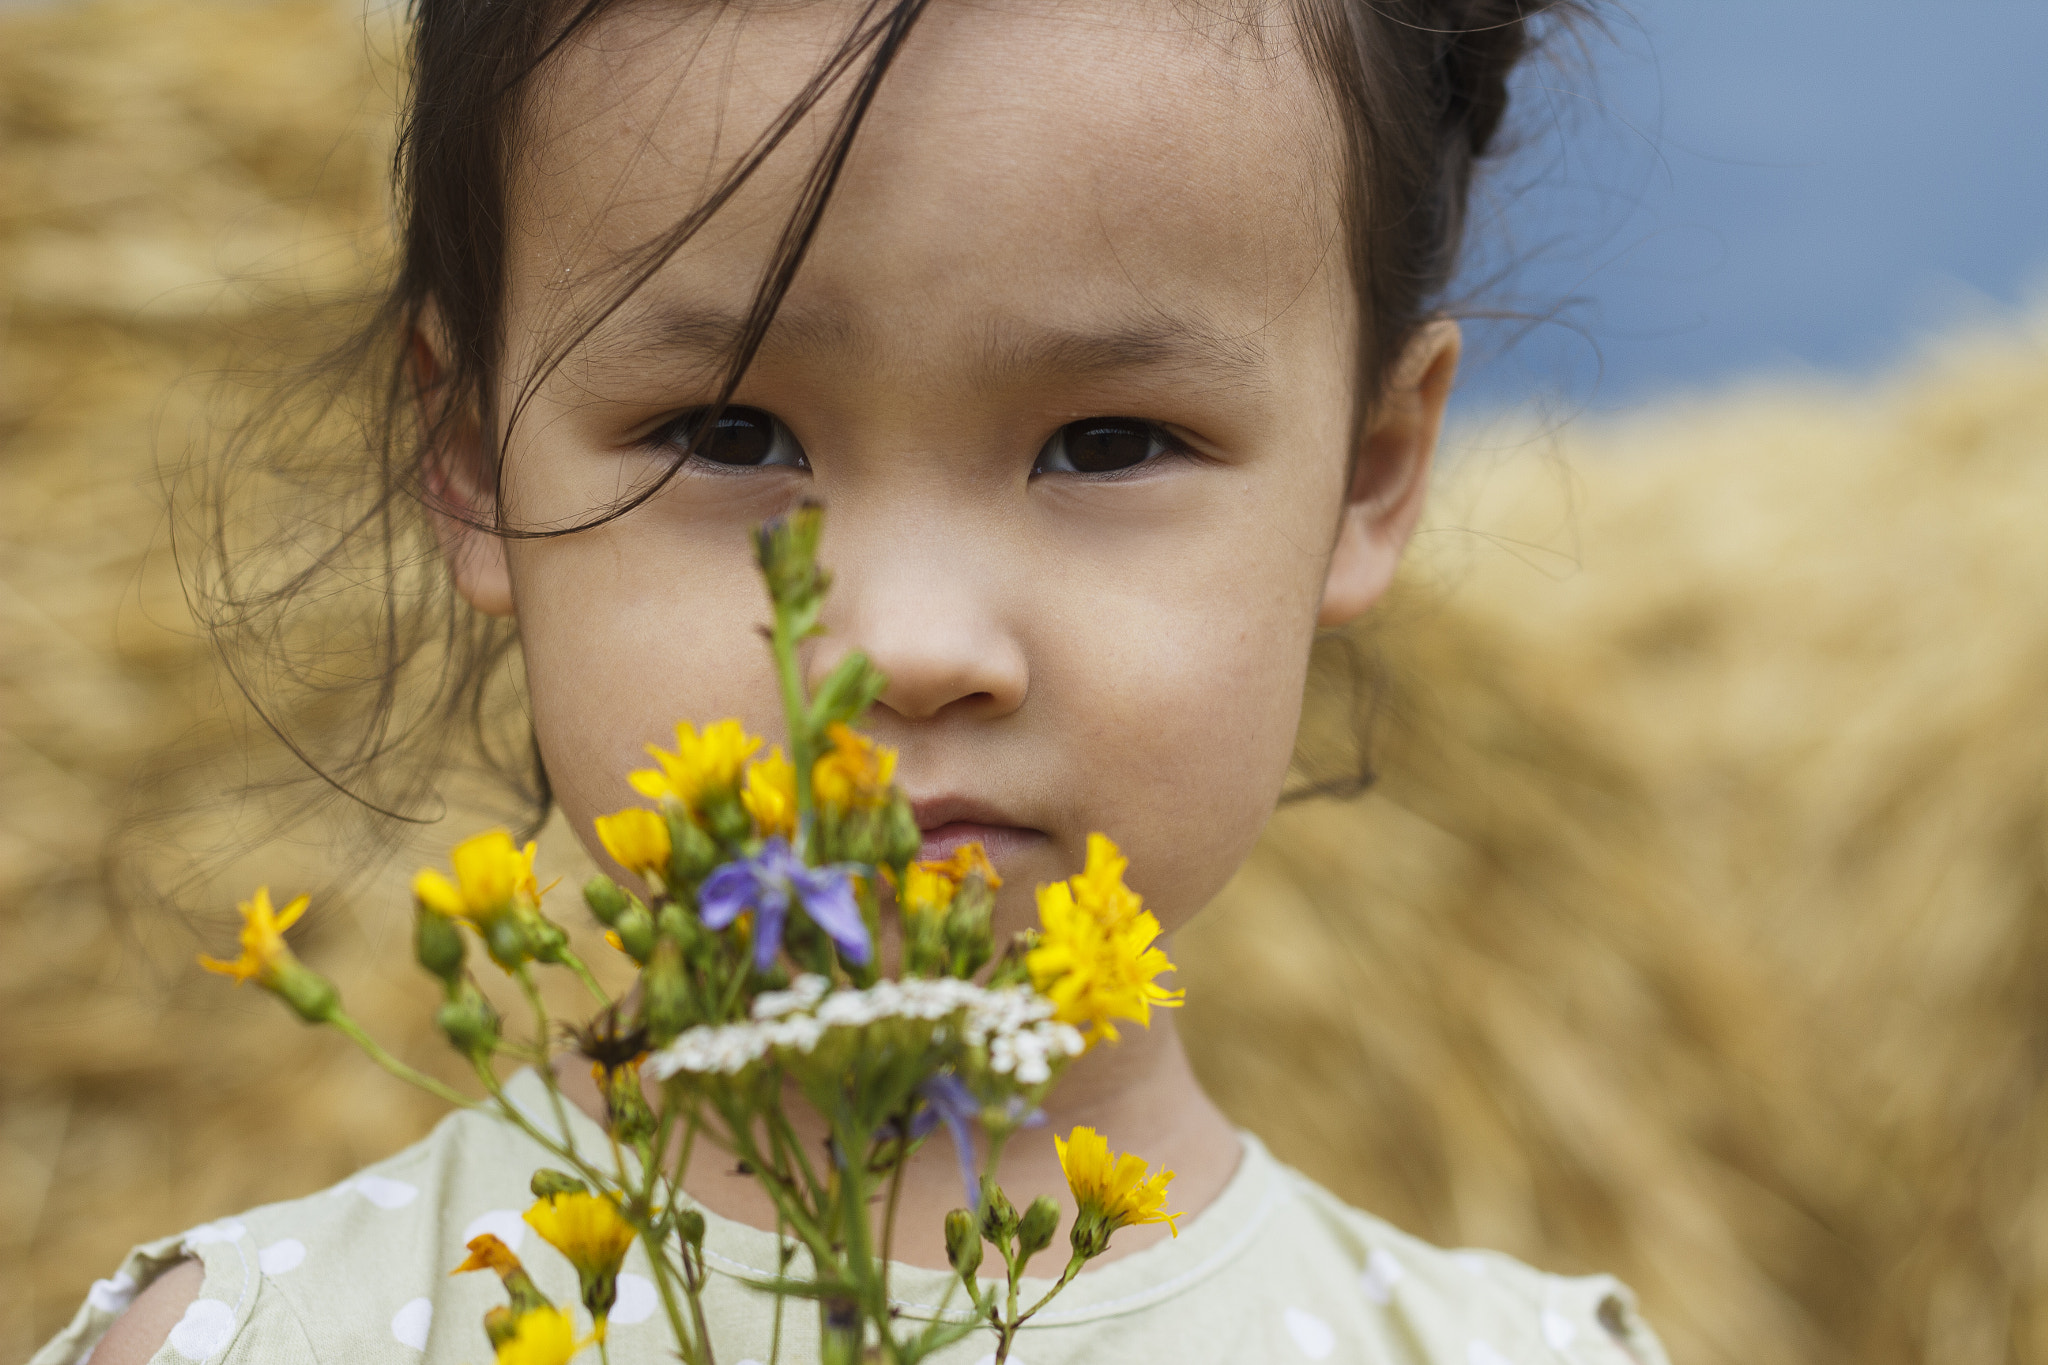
{"x":235,"y":1316}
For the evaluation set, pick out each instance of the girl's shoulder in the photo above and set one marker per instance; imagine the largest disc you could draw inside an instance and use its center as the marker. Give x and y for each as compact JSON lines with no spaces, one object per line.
{"x":1425,"y":1303}
{"x":358,"y":1271}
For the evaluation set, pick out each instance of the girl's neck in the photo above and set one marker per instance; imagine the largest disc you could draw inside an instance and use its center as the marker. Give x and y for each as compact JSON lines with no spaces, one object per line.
{"x":1140,"y":1094}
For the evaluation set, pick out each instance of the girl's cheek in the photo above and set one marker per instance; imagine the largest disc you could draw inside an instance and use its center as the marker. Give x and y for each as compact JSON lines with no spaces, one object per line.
{"x":621,"y":638}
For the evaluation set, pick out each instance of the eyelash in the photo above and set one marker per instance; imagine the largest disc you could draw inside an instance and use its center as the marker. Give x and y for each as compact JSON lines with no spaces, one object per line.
{"x":738,"y":426}
{"x":1102,"y":440}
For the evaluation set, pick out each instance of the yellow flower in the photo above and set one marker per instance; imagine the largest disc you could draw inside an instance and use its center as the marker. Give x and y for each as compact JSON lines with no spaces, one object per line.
{"x":967,"y":860}
{"x":1112,"y":1190}
{"x":855,"y":773}
{"x":486,"y":1252}
{"x":540,"y":1336}
{"x":702,"y":763}
{"x":929,"y":887}
{"x":1095,"y":957}
{"x":638,"y":840}
{"x":491,"y":872}
{"x":265,"y":955}
{"x":770,"y":796}
{"x":591,"y":1232}
{"x":927,"y":890}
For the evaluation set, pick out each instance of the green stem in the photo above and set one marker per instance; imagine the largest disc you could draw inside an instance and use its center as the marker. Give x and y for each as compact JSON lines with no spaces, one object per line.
{"x":540,"y":1025}
{"x":1074,"y":1265}
{"x":787,"y":672}
{"x":576,"y":965}
{"x":889,"y":1219}
{"x":693,"y":1288}
{"x":350,"y":1029}
{"x":657,"y":1258}
{"x":785,"y":1252}
{"x":568,"y":1156}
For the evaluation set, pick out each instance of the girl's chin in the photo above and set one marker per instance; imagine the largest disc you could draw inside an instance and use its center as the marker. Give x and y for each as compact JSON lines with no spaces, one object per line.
{"x":1003,"y":843}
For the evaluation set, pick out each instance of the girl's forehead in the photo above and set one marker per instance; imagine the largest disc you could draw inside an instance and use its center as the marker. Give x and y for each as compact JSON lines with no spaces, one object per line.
{"x":1041,"y":158}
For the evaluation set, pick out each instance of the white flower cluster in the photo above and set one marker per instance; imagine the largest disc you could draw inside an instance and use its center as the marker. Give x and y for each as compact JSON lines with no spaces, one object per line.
{"x":1014,"y":1024}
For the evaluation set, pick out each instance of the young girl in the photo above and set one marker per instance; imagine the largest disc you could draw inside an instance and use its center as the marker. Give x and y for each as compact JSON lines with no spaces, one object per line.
{"x":1103,"y":330}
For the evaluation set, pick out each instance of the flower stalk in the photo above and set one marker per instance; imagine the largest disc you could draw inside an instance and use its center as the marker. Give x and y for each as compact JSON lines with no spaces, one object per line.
{"x":759,"y":891}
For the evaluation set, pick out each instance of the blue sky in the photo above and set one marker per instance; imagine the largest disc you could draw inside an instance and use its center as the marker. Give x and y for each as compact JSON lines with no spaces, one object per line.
{"x":1761,"y":185}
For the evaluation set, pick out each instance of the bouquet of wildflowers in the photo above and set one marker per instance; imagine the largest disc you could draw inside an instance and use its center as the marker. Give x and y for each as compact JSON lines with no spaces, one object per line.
{"x":771,"y":894}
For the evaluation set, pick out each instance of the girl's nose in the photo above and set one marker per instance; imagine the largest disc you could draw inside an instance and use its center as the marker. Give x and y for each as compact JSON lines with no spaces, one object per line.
{"x":942,"y":642}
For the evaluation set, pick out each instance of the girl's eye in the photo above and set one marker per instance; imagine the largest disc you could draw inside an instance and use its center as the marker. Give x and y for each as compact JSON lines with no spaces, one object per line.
{"x":741,"y":438}
{"x":1104,"y":445}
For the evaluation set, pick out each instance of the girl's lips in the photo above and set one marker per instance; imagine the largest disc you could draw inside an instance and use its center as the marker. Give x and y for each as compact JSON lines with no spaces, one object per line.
{"x":1000,"y":842}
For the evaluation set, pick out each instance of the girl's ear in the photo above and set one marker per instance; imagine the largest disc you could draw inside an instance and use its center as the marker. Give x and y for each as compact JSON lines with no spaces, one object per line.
{"x":454,"y":473}
{"x":1391,"y":478}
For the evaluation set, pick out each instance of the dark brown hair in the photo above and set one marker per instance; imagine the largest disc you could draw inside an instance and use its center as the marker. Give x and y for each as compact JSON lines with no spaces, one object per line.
{"x":415,"y":687}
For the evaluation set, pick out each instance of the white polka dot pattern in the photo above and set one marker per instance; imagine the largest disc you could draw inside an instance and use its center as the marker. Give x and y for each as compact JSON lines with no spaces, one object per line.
{"x":381,"y":1191}
{"x":409,"y":1325}
{"x":208,"y":1233}
{"x":112,"y":1295}
{"x":204,"y":1329}
{"x":1485,"y":1353}
{"x":1310,"y":1333}
{"x":636,"y":1302}
{"x":1559,"y":1330}
{"x":282,"y":1257}
{"x":507,"y":1226}
{"x":1382,"y":1272}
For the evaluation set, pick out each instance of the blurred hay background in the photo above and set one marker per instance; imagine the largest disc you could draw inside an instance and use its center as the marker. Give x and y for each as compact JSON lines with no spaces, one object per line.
{"x":1694,"y":931}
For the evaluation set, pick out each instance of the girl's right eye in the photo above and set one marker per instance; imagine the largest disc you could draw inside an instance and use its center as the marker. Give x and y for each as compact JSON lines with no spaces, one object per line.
{"x":741,"y":438}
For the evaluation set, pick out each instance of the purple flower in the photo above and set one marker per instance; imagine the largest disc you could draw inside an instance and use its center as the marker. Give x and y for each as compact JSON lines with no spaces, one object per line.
{"x":947,"y":1101}
{"x":768,"y":884}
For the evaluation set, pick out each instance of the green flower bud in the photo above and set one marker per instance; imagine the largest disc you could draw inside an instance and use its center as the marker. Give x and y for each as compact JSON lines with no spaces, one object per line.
{"x":606,"y":899}
{"x":970,"y":935}
{"x":501,"y":1324}
{"x":545,"y":939}
{"x":900,"y":838}
{"x":311,"y":995}
{"x":470,"y":1021}
{"x":546,"y":1184}
{"x":786,"y":548}
{"x":690,"y":1227}
{"x":692,"y":852}
{"x":726,"y":818}
{"x":963,"y":1243}
{"x":860,"y":836}
{"x":1090,"y":1234}
{"x":505,"y":938}
{"x":1037,"y":1228}
{"x":625,"y":1107}
{"x":635,"y":928}
{"x":665,"y":990}
{"x":998,"y":1214}
{"x":437,"y":943}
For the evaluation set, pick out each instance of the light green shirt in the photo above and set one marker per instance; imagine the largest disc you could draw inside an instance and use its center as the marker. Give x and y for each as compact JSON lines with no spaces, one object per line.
{"x":1277,"y":1269}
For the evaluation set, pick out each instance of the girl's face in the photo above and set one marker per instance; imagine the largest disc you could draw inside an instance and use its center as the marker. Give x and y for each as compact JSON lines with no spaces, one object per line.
{"x":1070,"y":365}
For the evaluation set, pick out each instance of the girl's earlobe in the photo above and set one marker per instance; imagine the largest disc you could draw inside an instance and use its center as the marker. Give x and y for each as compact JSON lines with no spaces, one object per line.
{"x":1390,"y":482}
{"x":455,"y":485}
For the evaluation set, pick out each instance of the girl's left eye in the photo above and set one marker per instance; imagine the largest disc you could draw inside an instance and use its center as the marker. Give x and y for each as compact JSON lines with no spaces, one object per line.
{"x":741,"y":438}
{"x":1104,"y":445}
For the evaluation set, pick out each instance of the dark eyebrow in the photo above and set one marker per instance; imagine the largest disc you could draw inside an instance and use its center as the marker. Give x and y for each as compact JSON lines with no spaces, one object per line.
{"x":1009,"y":351}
